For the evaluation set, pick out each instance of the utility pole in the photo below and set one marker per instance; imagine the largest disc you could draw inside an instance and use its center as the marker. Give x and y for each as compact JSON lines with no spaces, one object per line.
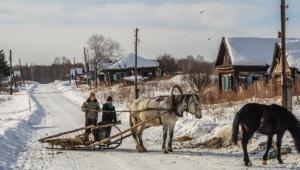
{"x":10,"y":70}
{"x":136,"y":92}
{"x":27,"y":72}
{"x":284,"y":95}
{"x":70,"y":72}
{"x":85,"y":60}
{"x":95,"y":72}
{"x":22,"y":76}
{"x":75,"y":71}
{"x":87,"y":69}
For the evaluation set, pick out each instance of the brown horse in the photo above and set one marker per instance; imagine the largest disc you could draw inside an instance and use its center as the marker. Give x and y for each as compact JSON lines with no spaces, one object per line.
{"x":266,"y":119}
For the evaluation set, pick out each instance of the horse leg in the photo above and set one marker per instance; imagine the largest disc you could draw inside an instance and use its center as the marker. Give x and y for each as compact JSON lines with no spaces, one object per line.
{"x":134,"y":133}
{"x":140,"y":137}
{"x":245,"y":140}
{"x":269,"y":144}
{"x":278,"y":143}
{"x":171,"y":132}
{"x":165,"y":133}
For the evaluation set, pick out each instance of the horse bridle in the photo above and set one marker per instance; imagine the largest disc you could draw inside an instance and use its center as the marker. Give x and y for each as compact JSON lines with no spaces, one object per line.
{"x":189,"y":103}
{"x":174,"y":108}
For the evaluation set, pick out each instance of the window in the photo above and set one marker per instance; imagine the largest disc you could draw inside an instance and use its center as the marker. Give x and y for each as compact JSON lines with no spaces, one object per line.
{"x":227,"y":82}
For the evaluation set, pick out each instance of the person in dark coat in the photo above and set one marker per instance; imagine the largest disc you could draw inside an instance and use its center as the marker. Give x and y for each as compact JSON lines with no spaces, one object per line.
{"x":109,"y":114}
{"x":91,"y":108}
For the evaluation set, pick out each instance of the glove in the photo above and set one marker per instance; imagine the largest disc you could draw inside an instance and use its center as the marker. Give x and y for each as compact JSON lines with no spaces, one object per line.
{"x":84,"y":109}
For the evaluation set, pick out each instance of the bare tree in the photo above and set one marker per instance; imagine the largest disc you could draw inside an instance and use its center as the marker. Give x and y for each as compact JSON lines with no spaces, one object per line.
{"x":167,"y":63}
{"x":102,"y":48}
{"x":198,"y":74}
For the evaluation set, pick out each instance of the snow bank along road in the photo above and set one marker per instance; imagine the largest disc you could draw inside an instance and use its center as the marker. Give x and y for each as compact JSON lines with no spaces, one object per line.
{"x":60,"y":114}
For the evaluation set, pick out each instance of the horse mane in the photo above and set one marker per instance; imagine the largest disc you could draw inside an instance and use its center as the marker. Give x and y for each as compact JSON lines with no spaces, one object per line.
{"x":294,"y":125}
{"x":179,"y":98}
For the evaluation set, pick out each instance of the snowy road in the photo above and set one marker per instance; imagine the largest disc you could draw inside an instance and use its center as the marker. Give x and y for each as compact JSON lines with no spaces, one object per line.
{"x":61,"y":115}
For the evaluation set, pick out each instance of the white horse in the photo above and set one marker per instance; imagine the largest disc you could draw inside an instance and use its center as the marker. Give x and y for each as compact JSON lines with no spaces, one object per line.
{"x":174,"y":106}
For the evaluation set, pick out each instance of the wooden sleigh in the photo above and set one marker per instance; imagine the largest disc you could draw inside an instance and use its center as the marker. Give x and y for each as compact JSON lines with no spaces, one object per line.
{"x":75,"y":139}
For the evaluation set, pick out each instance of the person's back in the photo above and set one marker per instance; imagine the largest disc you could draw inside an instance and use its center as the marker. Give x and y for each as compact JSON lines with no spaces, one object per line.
{"x":108,"y":114}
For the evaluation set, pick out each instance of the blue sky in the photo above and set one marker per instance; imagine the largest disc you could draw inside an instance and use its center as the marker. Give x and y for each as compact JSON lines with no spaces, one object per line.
{"x":39,"y":30}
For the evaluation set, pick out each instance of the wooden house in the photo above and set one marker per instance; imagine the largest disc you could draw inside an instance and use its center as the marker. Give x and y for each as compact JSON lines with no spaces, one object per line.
{"x":125,"y":68}
{"x":292,"y":64}
{"x":78,"y":71}
{"x":243,"y":60}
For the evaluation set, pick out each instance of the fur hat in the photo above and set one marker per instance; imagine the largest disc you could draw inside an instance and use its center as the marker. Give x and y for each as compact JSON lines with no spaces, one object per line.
{"x":92,"y":94}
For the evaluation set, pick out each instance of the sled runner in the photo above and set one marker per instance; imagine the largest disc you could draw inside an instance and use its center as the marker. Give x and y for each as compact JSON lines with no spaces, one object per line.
{"x":75,"y":139}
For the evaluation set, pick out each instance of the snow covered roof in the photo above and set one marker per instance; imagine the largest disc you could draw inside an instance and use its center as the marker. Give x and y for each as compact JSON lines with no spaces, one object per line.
{"x":129,"y":62}
{"x":102,"y":66}
{"x":250,"y":50}
{"x":293,"y":52}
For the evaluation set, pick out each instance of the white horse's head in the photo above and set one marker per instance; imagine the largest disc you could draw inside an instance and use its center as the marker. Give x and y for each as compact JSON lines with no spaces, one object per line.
{"x":189,"y":103}
{"x":194,"y":106}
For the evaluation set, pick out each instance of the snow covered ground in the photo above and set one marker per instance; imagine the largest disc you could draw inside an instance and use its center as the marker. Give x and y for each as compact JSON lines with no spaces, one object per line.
{"x":19,"y":113}
{"x":59,"y":104}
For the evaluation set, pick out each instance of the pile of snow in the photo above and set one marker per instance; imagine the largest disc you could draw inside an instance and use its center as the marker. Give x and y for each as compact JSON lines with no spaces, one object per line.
{"x":177,"y":79}
{"x":16,"y":123}
{"x":132,"y":78}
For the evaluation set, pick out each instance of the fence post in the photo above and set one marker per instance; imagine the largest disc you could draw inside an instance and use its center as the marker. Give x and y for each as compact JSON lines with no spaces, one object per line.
{"x":29,"y":105}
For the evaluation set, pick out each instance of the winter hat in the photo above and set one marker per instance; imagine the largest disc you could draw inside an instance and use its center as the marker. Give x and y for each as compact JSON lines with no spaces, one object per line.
{"x":109,"y":99}
{"x":92,"y":94}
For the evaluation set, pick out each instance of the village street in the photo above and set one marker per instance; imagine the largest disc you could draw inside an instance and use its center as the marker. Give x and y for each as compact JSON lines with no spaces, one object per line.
{"x":60,"y":114}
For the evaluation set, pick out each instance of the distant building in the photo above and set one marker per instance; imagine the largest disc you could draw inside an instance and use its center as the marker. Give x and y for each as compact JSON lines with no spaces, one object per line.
{"x":17,"y":73}
{"x":78,"y":71}
{"x":125,"y":68}
{"x":292,"y":64}
{"x":241,"y":61}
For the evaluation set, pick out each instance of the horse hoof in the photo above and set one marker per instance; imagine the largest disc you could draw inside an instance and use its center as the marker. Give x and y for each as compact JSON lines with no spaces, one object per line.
{"x":264,"y":162}
{"x":143,"y":150}
{"x":138,"y":148}
{"x":248,"y":164}
{"x":170,"y":149}
{"x":165,"y":151}
{"x":280,"y":162}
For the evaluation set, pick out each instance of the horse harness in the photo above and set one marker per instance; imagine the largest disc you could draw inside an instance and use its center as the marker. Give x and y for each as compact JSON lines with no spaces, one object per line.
{"x":174,"y":107}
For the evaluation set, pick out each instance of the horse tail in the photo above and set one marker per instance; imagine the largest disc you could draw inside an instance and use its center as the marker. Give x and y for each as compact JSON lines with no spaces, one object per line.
{"x":235,"y":128}
{"x":295,"y":131}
